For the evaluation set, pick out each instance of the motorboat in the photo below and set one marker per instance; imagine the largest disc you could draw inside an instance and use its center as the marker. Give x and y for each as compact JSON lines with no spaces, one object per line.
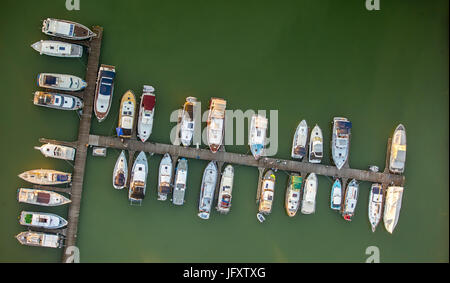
{"x":215,"y":129}
{"x":336,"y":195}
{"x":309,"y":194}
{"x":392,"y":207}
{"x":127,"y":112}
{"x":187,"y":127}
{"x":42,"y":220}
{"x":60,"y":82}
{"x":66,"y":29}
{"x":398,"y":151}
{"x":58,"y":49}
{"x":57,"y":101}
{"x":375,"y":205}
{"x":207,"y":190}
{"x":258,"y":133}
{"x":146,"y":113}
{"x":104,"y":91}
{"x":315,"y":145}
{"x":57,"y":151}
{"x":38,"y":239}
{"x":41,"y":197}
{"x":46,"y":177}
{"x":340,"y":141}
{"x":300,"y":141}
{"x":120,"y":173}
{"x":225,"y":190}
{"x":165,"y":177}
{"x":180,"y":183}
{"x":138,"y":181}
{"x":351,"y":198}
{"x":293,"y":192}
{"x":267,"y":193}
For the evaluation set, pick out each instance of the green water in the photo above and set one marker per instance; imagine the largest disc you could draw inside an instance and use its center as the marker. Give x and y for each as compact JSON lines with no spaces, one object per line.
{"x":307,"y":59}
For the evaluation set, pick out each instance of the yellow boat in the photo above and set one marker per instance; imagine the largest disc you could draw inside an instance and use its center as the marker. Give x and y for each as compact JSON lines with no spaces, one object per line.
{"x":126,"y":115}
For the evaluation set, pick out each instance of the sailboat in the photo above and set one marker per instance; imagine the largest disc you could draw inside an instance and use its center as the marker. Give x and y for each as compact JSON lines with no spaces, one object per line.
{"x":138,"y":181}
{"x":37,"y":239}
{"x":392,"y":207}
{"x":293,"y":191}
{"x":398,"y":151}
{"x":42,"y":220}
{"x":165,"y":177}
{"x":336,"y":195}
{"x":266,"y":194}
{"x":375,"y":205}
{"x":57,"y":101}
{"x":225,"y":190}
{"x":351,"y":198}
{"x":58,"y":49}
{"x":309,"y":194}
{"x":316,"y":145}
{"x":215,"y":130}
{"x":146,"y":113}
{"x":46,"y":177}
{"x":207,"y":190}
{"x":127,"y":112}
{"x":187,"y":121}
{"x":57,"y":151}
{"x":104,"y":91}
{"x":60,"y":82}
{"x":41,"y":197}
{"x":340,"y":141}
{"x":120,"y":173}
{"x":179,"y":188}
{"x":299,"y":142}
{"x":258,"y":132}
{"x":66,"y":29}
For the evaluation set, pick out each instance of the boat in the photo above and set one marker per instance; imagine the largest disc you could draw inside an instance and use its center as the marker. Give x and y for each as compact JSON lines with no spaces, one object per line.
{"x":392,"y":207}
{"x":340,"y":141}
{"x":46,"y":177}
{"x":104,"y":91}
{"x":42,"y":220}
{"x":351,"y":198}
{"x":138,"y":181}
{"x":179,"y":188}
{"x":57,"y":101}
{"x":127,"y":111}
{"x":66,"y":29}
{"x":57,"y":151}
{"x":60,"y":82}
{"x":336,"y":195}
{"x":315,"y":145}
{"x":207,"y":190}
{"x":375,"y":205}
{"x":300,"y":140}
{"x":58,"y":49}
{"x":165,"y":177}
{"x":260,"y":217}
{"x":309,"y":194}
{"x":99,"y":151}
{"x":38,"y":239}
{"x":225,"y":190}
{"x":258,"y":132}
{"x":146,"y":113}
{"x":41,"y":197}
{"x":267,"y":193}
{"x":293,"y":191}
{"x":215,"y":124}
{"x":398,"y":151}
{"x":187,"y":121}
{"x":120,"y":173}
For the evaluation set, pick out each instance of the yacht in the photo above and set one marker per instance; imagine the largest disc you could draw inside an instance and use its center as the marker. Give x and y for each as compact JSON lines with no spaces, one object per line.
{"x":46,"y":177}
{"x":258,"y":132}
{"x":300,"y":140}
{"x":42,"y":220}
{"x":165,"y":177}
{"x":336,"y":195}
{"x":41,"y":197}
{"x":57,"y":151}
{"x":309,"y":194}
{"x":146,"y":113}
{"x":120,"y":173}
{"x":38,"y":239}
{"x":216,"y":123}
{"x":267,"y":193}
{"x":225,"y":190}
{"x":179,"y":188}
{"x":58,"y":49}
{"x":57,"y":101}
{"x":375,"y":205}
{"x":66,"y":29}
{"x":398,"y":151}
{"x":316,"y":145}
{"x":340,"y":141}
{"x":187,"y":121}
{"x":61,"y":82}
{"x":351,"y":198}
{"x":207,"y":190}
{"x":138,"y":181}
{"x":104,"y":91}
{"x":127,"y":112}
{"x":293,"y":191}
{"x":392,"y":207}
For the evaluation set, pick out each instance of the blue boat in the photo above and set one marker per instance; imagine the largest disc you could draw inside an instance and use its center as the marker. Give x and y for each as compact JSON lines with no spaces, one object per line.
{"x":336,"y":195}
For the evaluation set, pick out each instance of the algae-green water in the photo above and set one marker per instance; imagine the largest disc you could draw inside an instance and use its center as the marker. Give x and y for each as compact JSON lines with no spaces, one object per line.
{"x":306,"y":59}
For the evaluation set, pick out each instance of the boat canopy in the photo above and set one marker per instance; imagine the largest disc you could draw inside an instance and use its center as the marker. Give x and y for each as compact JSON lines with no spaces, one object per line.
{"x":343,"y":127}
{"x":43,"y":197}
{"x":149,"y":102}
{"x":297,"y":182}
{"x":106,"y":86}
{"x":50,"y":80}
{"x":62,"y":177}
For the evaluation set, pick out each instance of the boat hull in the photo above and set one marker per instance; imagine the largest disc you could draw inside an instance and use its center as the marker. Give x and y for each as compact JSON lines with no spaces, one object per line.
{"x":397,"y":157}
{"x":46,"y":177}
{"x":165,"y":177}
{"x":336,"y":195}
{"x":42,"y":220}
{"x":104,"y":91}
{"x":375,"y":207}
{"x":309,"y":194}
{"x":300,"y":141}
{"x":392,"y":207}
{"x":57,"y":101}
{"x":207,"y":190}
{"x":61,"y":82}
{"x":41,"y":197}
{"x":350,"y":201}
{"x":293,"y":191}
{"x":267,"y":193}
{"x":138,"y":181}
{"x":66,"y":29}
{"x":126,"y":115}
{"x":37,"y":239}
{"x":181,"y":174}
{"x":315,"y":145}
{"x":120,"y":173}
{"x":146,"y":113}
{"x":225,"y":190}
{"x":340,"y":141}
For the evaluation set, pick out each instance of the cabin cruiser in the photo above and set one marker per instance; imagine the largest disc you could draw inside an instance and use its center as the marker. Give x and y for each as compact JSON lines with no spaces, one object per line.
{"x":267,"y":193}
{"x":179,"y":188}
{"x":42,"y":220}
{"x":41,"y":197}
{"x":215,"y":130}
{"x":58,"y":49}
{"x":316,"y":145}
{"x":398,"y":151}
{"x":225,"y":190}
{"x":104,"y":91}
{"x":187,"y":121}
{"x":392,"y":207}
{"x":46,"y":177}
{"x":300,"y":141}
{"x":57,"y":101}
{"x":165,"y":177}
{"x":127,"y":112}
{"x":340,"y":141}
{"x":37,"y":239}
{"x":57,"y":151}
{"x":336,"y":195}
{"x":120,"y":173}
{"x":61,"y":82}
{"x":375,"y":205}
{"x":258,"y":132}
{"x":293,"y":191}
{"x":309,"y":194}
{"x":138,"y":181}
{"x":351,"y":198}
{"x":146,"y":113}
{"x":207,"y":190}
{"x":66,"y":29}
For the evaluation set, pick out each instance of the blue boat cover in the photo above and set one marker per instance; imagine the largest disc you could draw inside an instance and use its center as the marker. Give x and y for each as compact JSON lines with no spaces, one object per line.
{"x":106,"y":86}
{"x":107,"y":74}
{"x":50,"y":80}
{"x":62,"y":178}
{"x":344,"y":124}
{"x":258,"y":148}
{"x":119,"y":132}
{"x":71,"y":30}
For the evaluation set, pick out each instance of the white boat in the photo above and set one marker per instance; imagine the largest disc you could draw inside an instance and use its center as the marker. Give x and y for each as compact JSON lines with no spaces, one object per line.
{"x":187,"y":127}
{"x":46,"y":177}
{"x":104,"y":91}
{"x":316,"y":145}
{"x":37,"y":239}
{"x":207,"y":190}
{"x":41,"y":197}
{"x":392,"y":207}
{"x":398,"y":151}
{"x":58,"y":49}
{"x":165,"y":177}
{"x":138,"y":181}
{"x":260,"y":217}
{"x":309,"y":194}
{"x":336,"y":195}
{"x":340,"y":141}
{"x":146,"y":113}
{"x":225,"y":190}
{"x":300,"y":140}
{"x":258,"y":132}
{"x":127,"y":112}
{"x":61,"y":82}
{"x":57,"y":101}
{"x":267,"y":193}
{"x":293,"y":192}
{"x":375,"y":205}
{"x":215,"y":124}
{"x":42,"y":220}
{"x":351,"y":198}
{"x":120,"y":173}
{"x":99,"y":151}
{"x":179,"y":188}
{"x":57,"y":151}
{"x":66,"y":29}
